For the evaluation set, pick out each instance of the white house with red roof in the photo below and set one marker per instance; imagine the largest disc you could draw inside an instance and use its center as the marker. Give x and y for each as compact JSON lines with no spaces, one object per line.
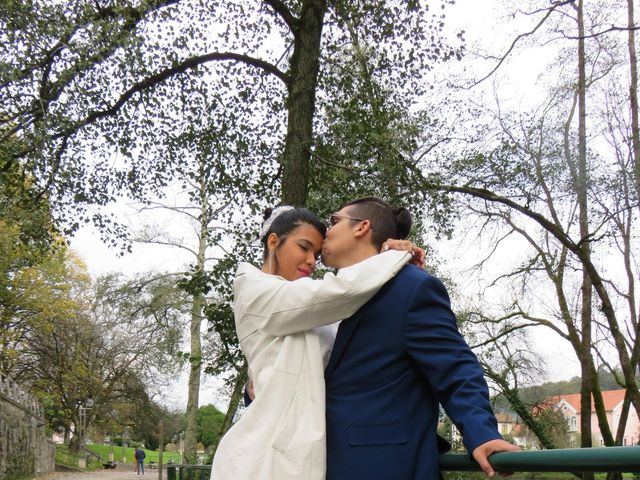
{"x":569,"y":406}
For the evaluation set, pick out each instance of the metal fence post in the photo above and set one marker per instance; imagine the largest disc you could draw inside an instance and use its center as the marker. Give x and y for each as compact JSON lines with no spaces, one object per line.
{"x":171,"y":472}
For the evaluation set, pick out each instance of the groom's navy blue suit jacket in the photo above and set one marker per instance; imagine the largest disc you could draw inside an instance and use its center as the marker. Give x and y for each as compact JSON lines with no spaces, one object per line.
{"x":392,"y":363}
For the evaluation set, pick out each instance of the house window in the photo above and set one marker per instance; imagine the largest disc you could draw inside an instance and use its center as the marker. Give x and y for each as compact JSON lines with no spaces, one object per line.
{"x":504,"y":429}
{"x":624,"y":441}
{"x":573,"y":423}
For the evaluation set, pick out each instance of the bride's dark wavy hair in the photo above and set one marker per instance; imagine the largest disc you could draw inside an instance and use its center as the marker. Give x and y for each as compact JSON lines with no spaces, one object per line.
{"x":287,"y":222}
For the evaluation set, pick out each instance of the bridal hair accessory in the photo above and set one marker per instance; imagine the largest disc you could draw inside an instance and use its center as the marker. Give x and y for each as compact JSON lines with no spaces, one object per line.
{"x":274,"y":214}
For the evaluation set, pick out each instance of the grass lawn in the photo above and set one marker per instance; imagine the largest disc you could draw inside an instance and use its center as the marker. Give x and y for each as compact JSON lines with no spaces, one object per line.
{"x":152,"y":456}
{"x":64,"y":457}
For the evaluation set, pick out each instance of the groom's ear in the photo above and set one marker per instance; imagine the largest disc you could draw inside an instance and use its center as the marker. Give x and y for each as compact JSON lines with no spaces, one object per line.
{"x":363,"y":229}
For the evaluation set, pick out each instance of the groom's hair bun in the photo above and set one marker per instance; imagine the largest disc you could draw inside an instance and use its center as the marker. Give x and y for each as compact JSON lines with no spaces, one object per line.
{"x":403,"y":221}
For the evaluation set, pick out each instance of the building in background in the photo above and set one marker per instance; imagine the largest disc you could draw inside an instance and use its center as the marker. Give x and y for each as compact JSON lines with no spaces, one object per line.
{"x":569,"y":406}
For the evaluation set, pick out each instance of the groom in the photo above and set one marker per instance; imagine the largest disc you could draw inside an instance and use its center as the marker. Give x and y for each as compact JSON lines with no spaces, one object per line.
{"x":394,"y":361}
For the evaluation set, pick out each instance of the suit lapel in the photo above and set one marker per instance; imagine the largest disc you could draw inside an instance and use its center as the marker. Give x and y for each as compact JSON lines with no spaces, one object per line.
{"x":345,"y":331}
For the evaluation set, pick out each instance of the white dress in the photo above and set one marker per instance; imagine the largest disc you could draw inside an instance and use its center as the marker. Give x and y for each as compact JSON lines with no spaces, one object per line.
{"x":281,"y":435}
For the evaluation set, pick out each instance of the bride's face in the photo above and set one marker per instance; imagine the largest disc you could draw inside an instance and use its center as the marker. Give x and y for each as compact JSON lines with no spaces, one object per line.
{"x":296,"y":257}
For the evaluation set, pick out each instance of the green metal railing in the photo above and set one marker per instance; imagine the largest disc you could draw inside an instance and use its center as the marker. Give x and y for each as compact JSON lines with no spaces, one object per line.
{"x":602,"y":459}
{"x":188,"y":472}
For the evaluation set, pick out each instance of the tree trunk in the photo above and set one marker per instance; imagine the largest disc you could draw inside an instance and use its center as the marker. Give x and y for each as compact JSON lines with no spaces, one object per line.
{"x":236,"y":396}
{"x":523,"y":411}
{"x":195,"y":361}
{"x":586,"y":288}
{"x":75,"y":443}
{"x":635,"y":141}
{"x":598,"y":403}
{"x":160,"y":448}
{"x":633,"y":94}
{"x":305,"y":64}
{"x":190,"y":438}
{"x":624,"y":415}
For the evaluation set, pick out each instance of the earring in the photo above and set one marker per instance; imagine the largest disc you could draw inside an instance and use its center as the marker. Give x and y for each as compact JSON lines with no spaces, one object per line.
{"x":271,"y":257}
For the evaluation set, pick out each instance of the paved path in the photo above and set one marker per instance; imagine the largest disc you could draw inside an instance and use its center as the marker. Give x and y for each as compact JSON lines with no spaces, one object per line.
{"x":118,"y":473}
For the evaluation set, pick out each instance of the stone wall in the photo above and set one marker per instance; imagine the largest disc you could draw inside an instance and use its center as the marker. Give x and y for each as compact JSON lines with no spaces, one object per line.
{"x":24,"y":447}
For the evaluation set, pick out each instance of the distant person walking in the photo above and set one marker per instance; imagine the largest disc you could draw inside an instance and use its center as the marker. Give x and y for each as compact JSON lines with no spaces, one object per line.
{"x":140,"y":459}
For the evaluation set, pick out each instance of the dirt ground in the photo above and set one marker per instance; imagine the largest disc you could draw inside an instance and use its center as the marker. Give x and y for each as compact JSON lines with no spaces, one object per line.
{"x":121,"y":472}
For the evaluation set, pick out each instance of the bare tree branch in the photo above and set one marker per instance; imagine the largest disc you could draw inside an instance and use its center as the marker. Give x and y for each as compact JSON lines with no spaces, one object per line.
{"x":612,"y":28}
{"x":520,"y":37}
{"x":282,"y":10}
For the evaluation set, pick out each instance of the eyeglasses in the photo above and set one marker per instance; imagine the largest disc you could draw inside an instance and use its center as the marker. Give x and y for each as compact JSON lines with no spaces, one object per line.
{"x":335,"y":218}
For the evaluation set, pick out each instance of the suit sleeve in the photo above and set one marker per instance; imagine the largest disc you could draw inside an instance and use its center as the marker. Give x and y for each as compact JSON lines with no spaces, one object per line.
{"x":280,"y":307}
{"x":448,"y":364}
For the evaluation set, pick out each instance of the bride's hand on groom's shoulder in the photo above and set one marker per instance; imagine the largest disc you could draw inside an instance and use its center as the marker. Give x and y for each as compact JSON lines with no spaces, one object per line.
{"x":418,"y":254}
